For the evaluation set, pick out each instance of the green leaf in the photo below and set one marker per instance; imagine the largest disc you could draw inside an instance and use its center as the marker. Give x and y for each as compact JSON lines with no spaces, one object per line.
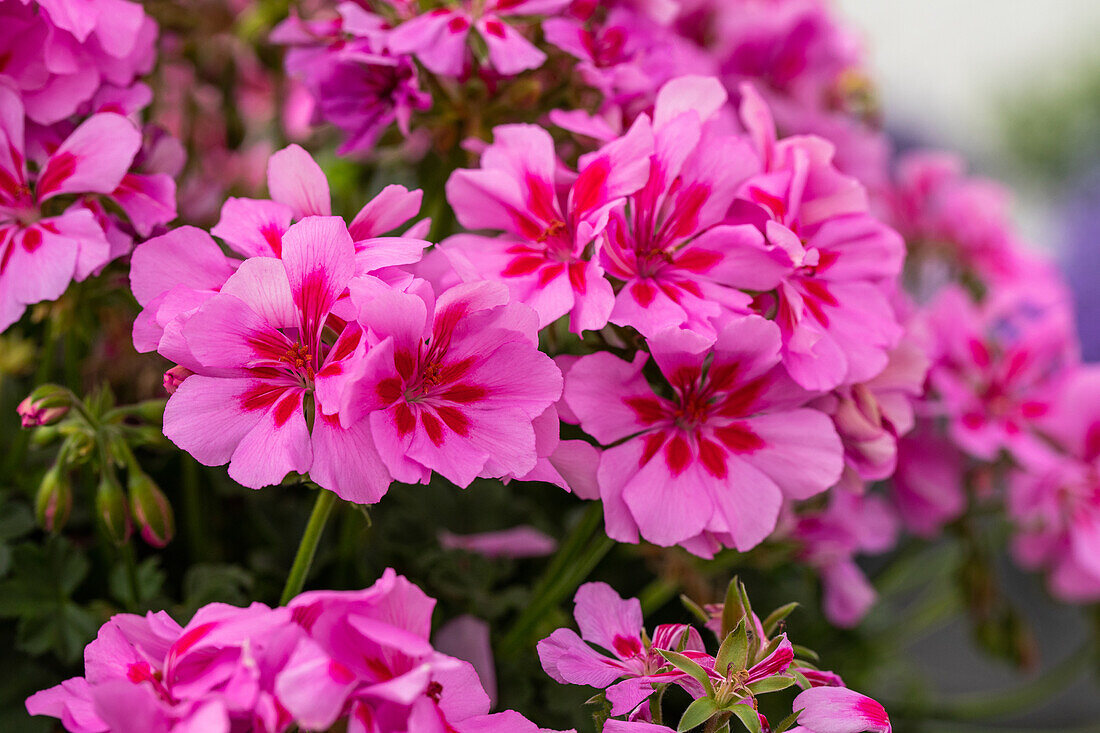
{"x":806,"y":653}
{"x":696,"y":714}
{"x":771,"y":684}
{"x":216,"y":583}
{"x":788,"y":722}
{"x":748,"y":716}
{"x":150,"y":581}
{"x":38,"y":594}
{"x":800,"y":679}
{"x":734,"y":652}
{"x":695,"y":609}
{"x":732,"y":612}
{"x":685,"y":665}
{"x":773,"y":619}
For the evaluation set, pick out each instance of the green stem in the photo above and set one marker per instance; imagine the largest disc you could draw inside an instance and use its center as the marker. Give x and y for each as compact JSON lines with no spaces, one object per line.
{"x":575,"y":559}
{"x":308,"y":546}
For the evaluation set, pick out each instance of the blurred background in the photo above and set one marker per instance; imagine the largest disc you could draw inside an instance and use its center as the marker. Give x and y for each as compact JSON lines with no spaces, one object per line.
{"x":1014,"y":86}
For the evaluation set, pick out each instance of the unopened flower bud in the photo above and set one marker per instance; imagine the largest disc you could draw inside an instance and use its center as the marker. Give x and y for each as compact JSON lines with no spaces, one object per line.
{"x":174,"y":377}
{"x":55,"y":499}
{"x":857,"y":415}
{"x":110,"y":505}
{"x":151,"y":509}
{"x":44,"y":406}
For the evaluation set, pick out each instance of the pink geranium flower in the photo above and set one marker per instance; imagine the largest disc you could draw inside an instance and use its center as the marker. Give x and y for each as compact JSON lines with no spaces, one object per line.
{"x":677,"y":260}
{"x":40,"y":255}
{"x":259,"y":352}
{"x":367,"y":658}
{"x":712,"y":463}
{"x":147,"y":673}
{"x":615,"y":625}
{"x":998,"y":366}
{"x":546,"y":256}
{"x":1055,"y":502}
{"x":827,"y":268}
{"x":439,"y":38}
{"x":452,"y":386}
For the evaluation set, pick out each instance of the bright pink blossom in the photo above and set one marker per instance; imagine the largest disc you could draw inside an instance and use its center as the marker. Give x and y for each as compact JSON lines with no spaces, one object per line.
{"x":39,"y":254}
{"x":259,"y":351}
{"x":367,"y":658}
{"x":64,"y":58}
{"x":546,"y":256}
{"x":827,"y":268}
{"x":712,"y":463}
{"x":522,"y":541}
{"x":215,"y":674}
{"x":438,"y":38}
{"x":615,"y":625}
{"x":678,"y":261}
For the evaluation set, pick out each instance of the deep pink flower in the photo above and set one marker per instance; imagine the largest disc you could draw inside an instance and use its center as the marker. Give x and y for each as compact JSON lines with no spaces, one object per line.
{"x":367,"y":659}
{"x":438,"y":38}
{"x":452,"y":386}
{"x":1055,"y":502}
{"x":64,"y":58}
{"x":356,"y":83}
{"x":40,"y":255}
{"x":712,"y":464}
{"x":546,"y":255}
{"x":827,"y":268}
{"x":998,"y":366}
{"x":678,"y":262}
{"x":259,"y":352}
{"x":147,"y":673}
{"x":615,"y":625}
{"x":839,"y":710}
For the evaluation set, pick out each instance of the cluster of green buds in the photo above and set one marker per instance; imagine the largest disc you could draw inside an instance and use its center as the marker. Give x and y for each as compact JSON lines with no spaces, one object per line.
{"x":96,"y":432}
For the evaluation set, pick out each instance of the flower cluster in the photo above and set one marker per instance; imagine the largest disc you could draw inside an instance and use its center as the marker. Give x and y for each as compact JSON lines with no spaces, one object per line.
{"x":322,"y":353}
{"x":71,"y":141}
{"x":754,"y":658}
{"x":359,"y":657}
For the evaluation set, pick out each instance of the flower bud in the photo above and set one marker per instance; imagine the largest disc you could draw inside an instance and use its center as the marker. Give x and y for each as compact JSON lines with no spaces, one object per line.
{"x":110,"y":505}
{"x":55,"y":499}
{"x":150,"y":509}
{"x":44,"y":406}
{"x":858,"y":416}
{"x":174,"y":377}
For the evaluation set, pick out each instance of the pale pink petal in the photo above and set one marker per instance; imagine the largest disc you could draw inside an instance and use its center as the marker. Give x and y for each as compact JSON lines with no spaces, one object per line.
{"x":604,"y":616}
{"x":279,"y":444}
{"x":840,"y":710}
{"x":391,"y":208}
{"x":346,"y":462}
{"x":148,"y":200}
{"x":205,"y":417}
{"x":746,"y":503}
{"x":509,"y":52}
{"x":438,"y":39}
{"x":467,"y":638}
{"x":802,"y":454}
{"x":71,"y":702}
{"x":597,"y":391}
{"x":699,"y":94}
{"x":262,"y":285}
{"x":93,"y":159}
{"x":848,"y":594}
{"x":320,"y":260}
{"x":313,"y":686}
{"x":253,"y":227}
{"x":184,"y":256}
{"x":295,"y":180}
{"x":570,"y":661}
{"x":522,"y":541}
